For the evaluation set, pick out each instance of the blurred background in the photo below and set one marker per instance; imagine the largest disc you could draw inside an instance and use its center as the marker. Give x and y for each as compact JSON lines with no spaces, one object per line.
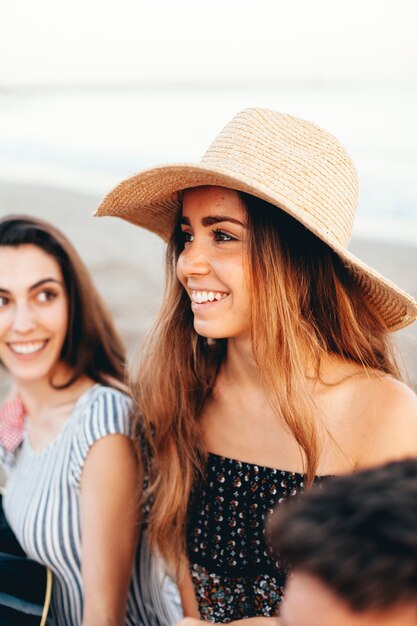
{"x":91,"y":92}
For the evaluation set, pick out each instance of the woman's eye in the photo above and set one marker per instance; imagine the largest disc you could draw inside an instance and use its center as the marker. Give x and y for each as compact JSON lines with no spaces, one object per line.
{"x":219,"y":235}
{"x":187,"y":237}
{"x":46,"y":296}
{"x":3,"y":301}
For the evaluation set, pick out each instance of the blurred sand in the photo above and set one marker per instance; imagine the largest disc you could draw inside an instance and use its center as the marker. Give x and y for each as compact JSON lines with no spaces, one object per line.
{"x":127,"y":262}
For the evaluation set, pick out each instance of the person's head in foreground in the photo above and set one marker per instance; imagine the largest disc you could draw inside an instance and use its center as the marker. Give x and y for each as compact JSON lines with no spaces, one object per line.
{"x":54,"y":327}
{"x":351,"y":547}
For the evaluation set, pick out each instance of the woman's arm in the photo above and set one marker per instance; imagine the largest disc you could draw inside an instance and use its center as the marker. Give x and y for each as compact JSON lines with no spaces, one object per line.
{"x":109,"y":527}
{"x":389,"y":424}
{"x":188,"y":599}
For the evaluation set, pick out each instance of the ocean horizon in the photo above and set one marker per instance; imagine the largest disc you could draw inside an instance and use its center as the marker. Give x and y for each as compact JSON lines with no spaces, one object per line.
{"x":88,"y":139}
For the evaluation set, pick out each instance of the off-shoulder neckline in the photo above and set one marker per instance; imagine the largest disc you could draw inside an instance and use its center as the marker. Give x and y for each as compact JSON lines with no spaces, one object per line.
{"x":262,"y":467}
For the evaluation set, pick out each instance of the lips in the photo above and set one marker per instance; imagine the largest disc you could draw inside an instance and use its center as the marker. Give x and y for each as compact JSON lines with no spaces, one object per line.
{"x":27,"y":348}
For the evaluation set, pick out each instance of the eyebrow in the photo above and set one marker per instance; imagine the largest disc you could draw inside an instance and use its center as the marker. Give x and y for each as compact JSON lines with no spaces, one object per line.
{"x":38,"y":284}
{"x":213,"y":219}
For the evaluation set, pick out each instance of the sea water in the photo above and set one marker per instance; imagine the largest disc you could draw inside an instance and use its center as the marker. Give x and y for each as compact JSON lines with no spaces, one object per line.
{"x":87,"y":139}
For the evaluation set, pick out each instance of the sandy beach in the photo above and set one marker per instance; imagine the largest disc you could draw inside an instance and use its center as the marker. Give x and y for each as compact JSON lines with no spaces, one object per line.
{"x":127,"y":262}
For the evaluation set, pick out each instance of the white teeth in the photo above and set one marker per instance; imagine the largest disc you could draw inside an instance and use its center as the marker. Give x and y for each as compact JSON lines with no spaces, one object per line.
{"x":27,"y":348}
{"x":206,"y":296}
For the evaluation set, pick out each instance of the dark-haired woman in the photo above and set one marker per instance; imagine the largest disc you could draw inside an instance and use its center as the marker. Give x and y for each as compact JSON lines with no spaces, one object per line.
{"x":269,"y":366}
{"x":71,"y":497}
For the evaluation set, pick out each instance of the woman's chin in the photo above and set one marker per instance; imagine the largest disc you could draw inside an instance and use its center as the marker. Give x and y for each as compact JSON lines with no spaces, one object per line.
{"x":208,"y":333}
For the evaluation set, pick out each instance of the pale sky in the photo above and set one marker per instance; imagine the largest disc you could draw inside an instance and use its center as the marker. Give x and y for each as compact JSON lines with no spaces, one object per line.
{"x":51,"y":42}
{"x":162,"y":78}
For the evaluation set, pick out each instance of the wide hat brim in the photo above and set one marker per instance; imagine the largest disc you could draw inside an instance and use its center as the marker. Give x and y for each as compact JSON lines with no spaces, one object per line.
{"x":151,"y":199}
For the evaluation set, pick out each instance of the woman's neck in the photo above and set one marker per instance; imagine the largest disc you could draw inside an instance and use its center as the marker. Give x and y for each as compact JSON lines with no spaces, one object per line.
{"x":239,"y":367}
{"x":39,"y":395}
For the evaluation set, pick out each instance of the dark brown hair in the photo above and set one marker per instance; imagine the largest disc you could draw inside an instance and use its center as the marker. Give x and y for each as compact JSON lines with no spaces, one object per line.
{"x":356,"y":534}
{"x":91,"y":346}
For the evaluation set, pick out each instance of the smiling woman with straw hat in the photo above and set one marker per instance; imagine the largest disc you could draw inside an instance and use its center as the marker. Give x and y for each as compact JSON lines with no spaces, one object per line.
{"x":269,"y":366}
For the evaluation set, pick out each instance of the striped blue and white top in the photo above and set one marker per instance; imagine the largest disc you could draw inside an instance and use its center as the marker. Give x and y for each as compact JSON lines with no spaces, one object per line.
{"x":42,"y":505}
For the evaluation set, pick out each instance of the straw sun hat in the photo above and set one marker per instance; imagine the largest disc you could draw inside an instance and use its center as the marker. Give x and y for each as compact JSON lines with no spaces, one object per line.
{"x":290,"y":163}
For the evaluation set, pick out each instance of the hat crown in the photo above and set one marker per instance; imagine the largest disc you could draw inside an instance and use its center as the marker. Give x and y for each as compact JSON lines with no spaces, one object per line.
{"x":295,"y":160}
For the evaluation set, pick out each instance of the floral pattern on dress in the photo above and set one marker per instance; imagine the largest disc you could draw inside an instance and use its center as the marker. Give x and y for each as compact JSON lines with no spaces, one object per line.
{"x":232,"y":569}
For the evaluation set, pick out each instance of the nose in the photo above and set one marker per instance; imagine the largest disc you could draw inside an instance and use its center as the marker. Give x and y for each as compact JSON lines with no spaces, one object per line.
{"x":23,"y":321}
{"x":193,"y":260}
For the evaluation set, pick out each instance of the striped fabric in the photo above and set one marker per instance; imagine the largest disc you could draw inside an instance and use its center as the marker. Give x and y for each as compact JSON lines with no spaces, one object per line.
{"x":42,"y":505}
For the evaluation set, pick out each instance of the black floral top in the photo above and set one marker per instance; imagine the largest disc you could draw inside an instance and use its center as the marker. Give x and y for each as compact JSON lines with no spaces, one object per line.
{"x":233,"y":572}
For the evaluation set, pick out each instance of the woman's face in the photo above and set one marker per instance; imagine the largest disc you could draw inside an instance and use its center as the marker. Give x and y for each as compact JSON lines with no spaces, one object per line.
{"x":33,"y":312}
{"x":211,"y":266}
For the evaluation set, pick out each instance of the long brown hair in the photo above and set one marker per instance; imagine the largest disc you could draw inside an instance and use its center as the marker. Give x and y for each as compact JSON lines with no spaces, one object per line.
{"x":304,"y":299}
{"x":92,"y":346}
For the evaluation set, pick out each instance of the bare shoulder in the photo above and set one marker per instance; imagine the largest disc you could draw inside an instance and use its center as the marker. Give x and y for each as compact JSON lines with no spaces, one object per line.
{"x":393,"y":398}
{"x":389,"y":417}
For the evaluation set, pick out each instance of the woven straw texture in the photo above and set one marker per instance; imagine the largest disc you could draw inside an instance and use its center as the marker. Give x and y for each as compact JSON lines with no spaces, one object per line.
{"x":291,"y":163}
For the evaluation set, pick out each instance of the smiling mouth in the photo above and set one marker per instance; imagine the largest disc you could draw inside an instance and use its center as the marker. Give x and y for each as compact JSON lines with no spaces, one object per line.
{"x":202,"y":297}
{"x":27,"y":348}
